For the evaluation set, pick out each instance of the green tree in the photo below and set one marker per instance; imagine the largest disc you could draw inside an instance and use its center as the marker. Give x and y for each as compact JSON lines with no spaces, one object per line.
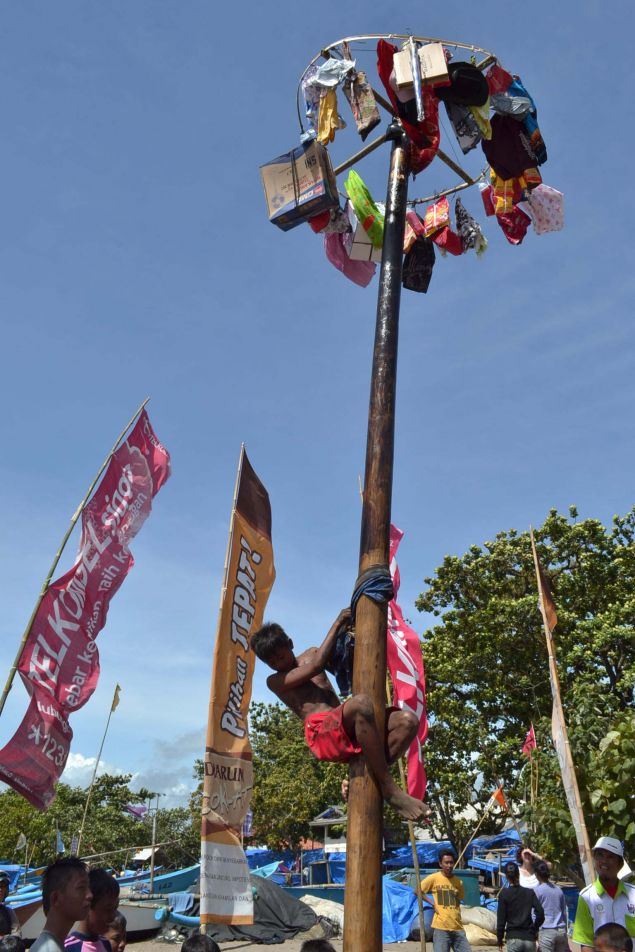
{"x":107,"y":827}
{"x":487,"y":675}
{"x":290,"y":786}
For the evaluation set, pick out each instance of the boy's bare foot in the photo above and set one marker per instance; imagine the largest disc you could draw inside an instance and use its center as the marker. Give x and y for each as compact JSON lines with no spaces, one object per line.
{"x":405,"y":805}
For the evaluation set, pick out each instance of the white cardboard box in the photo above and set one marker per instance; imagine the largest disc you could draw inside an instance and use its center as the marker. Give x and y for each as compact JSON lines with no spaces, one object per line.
{"x":434,"y":68}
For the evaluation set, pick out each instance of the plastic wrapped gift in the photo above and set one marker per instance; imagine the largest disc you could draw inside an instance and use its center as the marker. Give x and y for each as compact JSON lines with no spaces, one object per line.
{"x":357,"y":242}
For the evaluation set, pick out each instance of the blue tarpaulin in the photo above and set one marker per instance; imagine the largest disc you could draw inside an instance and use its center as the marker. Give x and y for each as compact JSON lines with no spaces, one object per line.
{"x":257,"y":857}
{"x":398,"y":908}
{"x":428,"y":850}
{"x":266,"y":871}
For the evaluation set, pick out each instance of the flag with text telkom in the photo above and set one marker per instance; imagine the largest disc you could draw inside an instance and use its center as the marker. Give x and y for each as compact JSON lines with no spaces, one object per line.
{"x":249,"y":575}
{"x":60,"y":662}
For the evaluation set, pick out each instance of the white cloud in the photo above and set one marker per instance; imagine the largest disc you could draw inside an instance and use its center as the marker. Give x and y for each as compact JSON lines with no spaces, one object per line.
{"x":79,"y":770}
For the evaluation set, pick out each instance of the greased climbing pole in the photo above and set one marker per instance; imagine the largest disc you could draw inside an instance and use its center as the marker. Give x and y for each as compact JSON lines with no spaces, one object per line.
{"x":362,"y":897}
{"x":300,"y":187}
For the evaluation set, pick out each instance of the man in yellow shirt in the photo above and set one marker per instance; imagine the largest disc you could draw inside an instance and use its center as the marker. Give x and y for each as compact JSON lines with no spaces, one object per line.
{"x":447,"y":892}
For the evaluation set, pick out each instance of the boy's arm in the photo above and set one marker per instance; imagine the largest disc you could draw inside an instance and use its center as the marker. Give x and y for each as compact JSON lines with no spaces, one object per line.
{"x":315,"y":662}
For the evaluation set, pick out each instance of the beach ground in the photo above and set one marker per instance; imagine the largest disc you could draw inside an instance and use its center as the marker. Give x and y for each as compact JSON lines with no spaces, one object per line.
{"x":292,"y":945}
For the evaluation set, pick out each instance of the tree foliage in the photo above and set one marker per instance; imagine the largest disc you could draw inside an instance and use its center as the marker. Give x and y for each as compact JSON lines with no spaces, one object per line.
{"x":487,"y":675}
{"x":107,"y":827}
{"x":290,"y":786}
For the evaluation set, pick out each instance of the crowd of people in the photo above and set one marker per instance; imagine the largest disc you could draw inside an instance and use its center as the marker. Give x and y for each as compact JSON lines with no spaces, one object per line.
{"x":532,"y":910}
{"x":81,"y":909}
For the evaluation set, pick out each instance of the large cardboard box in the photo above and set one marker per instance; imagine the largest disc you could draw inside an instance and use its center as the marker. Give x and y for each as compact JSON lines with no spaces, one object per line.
{"x":357,"y":242}
{"x":434,"y":68}
{"x":299,"y":185}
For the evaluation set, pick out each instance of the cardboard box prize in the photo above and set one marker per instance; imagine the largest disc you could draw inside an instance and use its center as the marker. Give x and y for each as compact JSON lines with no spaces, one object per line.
{"x":434,"y":68}
{"x":299,"y":185}
{"x":357,"y":243}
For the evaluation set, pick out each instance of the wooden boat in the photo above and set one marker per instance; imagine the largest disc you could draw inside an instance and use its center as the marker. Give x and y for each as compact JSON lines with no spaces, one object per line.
{"x":140,"y":916}
{"x":176,"y":881}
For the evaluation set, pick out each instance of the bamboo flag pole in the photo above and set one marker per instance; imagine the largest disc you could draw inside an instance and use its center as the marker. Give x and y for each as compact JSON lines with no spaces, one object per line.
{"x":58,"y":555}
{"x":582,"y":836}
{"x":478,"y":826}
{"x":113,"y":707}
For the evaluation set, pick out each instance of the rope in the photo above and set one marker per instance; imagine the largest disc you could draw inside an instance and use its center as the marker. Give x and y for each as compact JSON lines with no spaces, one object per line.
{"x":375,"y":583}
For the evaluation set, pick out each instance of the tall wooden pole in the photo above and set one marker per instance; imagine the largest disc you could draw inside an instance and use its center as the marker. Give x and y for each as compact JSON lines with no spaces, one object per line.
{"x":362,"y":898}
{"x":559,"y":726}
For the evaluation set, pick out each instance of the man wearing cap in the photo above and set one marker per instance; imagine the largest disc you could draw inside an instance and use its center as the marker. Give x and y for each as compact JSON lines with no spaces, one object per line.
{"x":608,"y":899}
{"x":9,"y":917}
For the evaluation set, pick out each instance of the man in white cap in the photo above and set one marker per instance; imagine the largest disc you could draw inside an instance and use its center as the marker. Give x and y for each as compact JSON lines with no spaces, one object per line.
{"x":608,"y":899}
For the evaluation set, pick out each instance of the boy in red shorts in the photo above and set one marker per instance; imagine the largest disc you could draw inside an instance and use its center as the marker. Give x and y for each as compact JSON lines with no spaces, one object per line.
{"x":335,"y":731}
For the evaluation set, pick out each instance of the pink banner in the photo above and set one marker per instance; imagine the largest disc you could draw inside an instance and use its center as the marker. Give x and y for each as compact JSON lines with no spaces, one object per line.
{"x":34,"y":759}
{"x":405,"y":664}
{"x":60,"y":661}
{"x":60,"y":658}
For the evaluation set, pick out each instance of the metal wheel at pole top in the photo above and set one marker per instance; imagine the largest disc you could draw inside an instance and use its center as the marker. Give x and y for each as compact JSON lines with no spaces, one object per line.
{"x":486,"y":106}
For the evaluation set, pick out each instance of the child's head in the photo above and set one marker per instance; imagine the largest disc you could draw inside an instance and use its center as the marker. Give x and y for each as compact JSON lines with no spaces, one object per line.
{"x":66,"y":890}
{"x":541,"y":869}
{"x":511,"y":873}
{"x":525,"y":856}
{"x":612,"y":937}
{"x":316,"y":945}
{"x":116,"y":933}
{"x":198,"y":942}
{"x":447,"y":861}
{"x":105,"y":890}
{"x":272,"y":645}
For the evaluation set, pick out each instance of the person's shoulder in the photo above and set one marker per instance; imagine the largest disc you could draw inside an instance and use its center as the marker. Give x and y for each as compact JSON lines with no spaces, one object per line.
{"x":588,"y":892}
{"x":47,"y":942}
{"x":431,"y":878}
{"x":74,"y":939}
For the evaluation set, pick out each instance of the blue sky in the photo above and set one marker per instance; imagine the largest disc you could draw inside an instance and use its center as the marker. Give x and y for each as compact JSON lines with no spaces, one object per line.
{"x":136,"y":260}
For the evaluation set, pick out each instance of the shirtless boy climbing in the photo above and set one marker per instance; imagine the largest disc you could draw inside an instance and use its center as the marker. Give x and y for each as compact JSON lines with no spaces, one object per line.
{"x":334,"y":731}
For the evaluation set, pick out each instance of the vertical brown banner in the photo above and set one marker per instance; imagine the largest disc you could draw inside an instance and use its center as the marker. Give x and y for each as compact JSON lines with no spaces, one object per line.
{"x":249,"y":576}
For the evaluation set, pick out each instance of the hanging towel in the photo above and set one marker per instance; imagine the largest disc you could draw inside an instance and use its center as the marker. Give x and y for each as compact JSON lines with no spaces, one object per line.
{"x":469,"y":229}
{"x":329,"y":120}
{"x":418,"y":265}
{"x":362,"y":102}
{"x":545,"y":206}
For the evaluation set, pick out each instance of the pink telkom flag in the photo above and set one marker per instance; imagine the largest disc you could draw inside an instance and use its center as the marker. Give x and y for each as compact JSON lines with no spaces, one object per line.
{"x":405,"y":665}
{"x":60,"y":661}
